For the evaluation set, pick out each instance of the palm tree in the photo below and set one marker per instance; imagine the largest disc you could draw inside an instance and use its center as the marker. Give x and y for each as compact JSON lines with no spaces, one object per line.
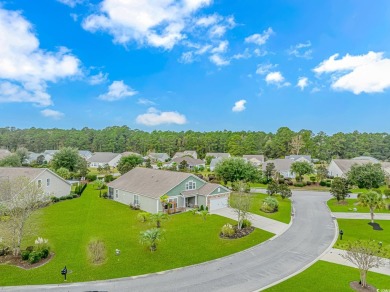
{"x":373,"y":200}
{"x":164,"y":201}
{"x":151,"y":237}
{"x":158,"y":217}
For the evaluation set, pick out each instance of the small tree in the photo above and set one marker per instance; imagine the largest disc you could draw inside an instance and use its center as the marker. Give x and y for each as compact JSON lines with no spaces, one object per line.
{"x":127,"y":163}
{"x":151,"y":237}
{"x":241,"y":203}
{"x":164,"y":201}
{"x":269,"y":171}
{"x":322,"y":172}
{"x":22,"y":152}
{"x":284,"y":191}
{"x":12,"y":160}
{"x":204,"y":214}
{"x":63,"y":172}
{"x":236,"y":169}
{"x":372,"y":200}
{"x":183,"y":165}
{"x":301,"y":168}
{"x":158,"y":217}
{"x":272,"y":188}
{"x":339,"y":188}
{"x":67,"y":157}
{"x":365,"y":255}
{"x":367,"y":176}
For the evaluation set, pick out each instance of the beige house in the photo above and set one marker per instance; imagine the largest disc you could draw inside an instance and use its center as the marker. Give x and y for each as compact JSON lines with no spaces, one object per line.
{"x":340,"y":167}
{"x":103,"y":158}
{"x":145,"y":186}
{"x":256,"y":160}
{"x":52,"y":184}
{"x":191,"y":153}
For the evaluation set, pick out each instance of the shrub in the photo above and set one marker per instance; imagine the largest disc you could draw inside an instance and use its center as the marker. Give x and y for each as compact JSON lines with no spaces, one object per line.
{"x":34,"y":257}
{"x":25,"y":255}
{"x":227,"y":230}
{"x":45,"y":253}
{"x":328,"y":184}
{"x":313,"y":179}
{"x":201,"y":208}
{"x":270,"y":205}
{"x":281,"y":180}
{"x":134,"y":206}
{"x":323,"y":183}
{"x":308,"y":183}
{"x":97,"y":252}
{"x":91,"y":177}
{"x":54,"y":199}
{"x":143,"y":216}
{"x":108,"y":178}
{"x":62,"y":198}
{"x":104,"y":194}
{"x":299,"y":185}
{"x":386,"y":192}
{"x":246,"y":223}
{"x":75,"y":196}
{"x":379,"y":191}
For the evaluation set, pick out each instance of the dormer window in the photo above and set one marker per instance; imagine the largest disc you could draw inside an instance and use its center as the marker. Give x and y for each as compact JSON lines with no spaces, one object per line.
{"x":190,"y":185}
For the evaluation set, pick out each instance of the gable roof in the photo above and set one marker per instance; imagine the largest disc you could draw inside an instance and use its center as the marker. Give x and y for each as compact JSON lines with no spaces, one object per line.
{"x":214,"y":161}
{"x":258,"y":157}
{"x":85,"y":153}
{"x":29,"y":172}
{"x":296,"y":157}
{"x":280,"y":164}
{"x":149,"y":182}
{"x":346,"y":164}
{"x":102,"y":157}
{"x":369,"y":158}
{"x":216,"y":154}
{"x":189,"y":159}
{"x":128,"y":153}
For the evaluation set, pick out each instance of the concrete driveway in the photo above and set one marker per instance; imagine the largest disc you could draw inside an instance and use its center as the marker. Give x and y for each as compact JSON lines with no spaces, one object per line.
{"x":310,"y":235}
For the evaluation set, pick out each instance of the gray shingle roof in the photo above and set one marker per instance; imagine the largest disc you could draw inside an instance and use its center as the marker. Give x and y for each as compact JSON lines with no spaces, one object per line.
{"x":258,"y":157}
{"x":149,"y":182}
{"x":295,"y":157}
{"x":216,"y":155}
{"x":102,"y":157}
{"x":14,"y":172}
{"x":346,"y":164}
{"x":280,"y":164}
{"x":190,"y":161}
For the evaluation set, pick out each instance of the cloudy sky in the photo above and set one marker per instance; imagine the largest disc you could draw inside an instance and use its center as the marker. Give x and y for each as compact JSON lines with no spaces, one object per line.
{"x":196,"y":64}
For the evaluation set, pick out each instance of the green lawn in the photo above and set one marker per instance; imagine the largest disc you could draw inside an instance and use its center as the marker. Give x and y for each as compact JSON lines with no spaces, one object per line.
{"x":325,"y":277}
{"x":357,"y":191}
{"x":359,"y":229}
{"x":284,"y":213}
{"x":70,"y":225}
{"x":352,"y":203}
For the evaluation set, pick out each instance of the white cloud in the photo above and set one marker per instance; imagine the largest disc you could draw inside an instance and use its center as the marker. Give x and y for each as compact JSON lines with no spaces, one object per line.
{"x":302,"y":82}
{"x":301,"y":50}
{"x":155,"y":117}
{"x":276,"y":78}
{"x":263,"y":69}
{"x":367,"y":73}
{"x":98,"y":78}
{"x":52,"y":114}
{"x":222,"y":47}
{"x":260,"y":53}
{"x":71,"y":3}
{"x":150,"y":22}
{"x":260,"y":39}
{"x":219,"y":60}
{"x":239,"y":106}
{"x":25,"y":69}
{"x":243,"y":55}
{"x":117,"y":90}
{"x":145,"y":101}
{"x":208,"y":20}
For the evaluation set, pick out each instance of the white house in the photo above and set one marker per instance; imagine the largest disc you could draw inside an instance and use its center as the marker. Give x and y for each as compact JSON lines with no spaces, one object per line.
{"x":51,"y":183}
{"x":340,"y":167}
{"x":283,"y":166}
{"x":103,"y":158}
{"x":191,"y":153}
{"x":256,"y":160}
{"x":191,"y":162}
{"x":158,"y":157}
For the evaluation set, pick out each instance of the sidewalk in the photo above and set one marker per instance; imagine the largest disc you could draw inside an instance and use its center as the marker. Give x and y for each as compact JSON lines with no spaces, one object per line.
{"x":258,"y":221}
{"x":334,"y":256}
{"x":354,"y":215}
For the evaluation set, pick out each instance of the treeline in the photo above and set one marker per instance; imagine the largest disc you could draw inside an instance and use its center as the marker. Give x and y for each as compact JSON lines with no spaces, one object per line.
{"x":272,"y":145}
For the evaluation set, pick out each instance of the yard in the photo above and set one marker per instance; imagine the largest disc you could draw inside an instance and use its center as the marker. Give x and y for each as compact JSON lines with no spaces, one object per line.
{"x":70,"y":225}
{"x":355,"y":229}
{"x":284,"y":213}
{"x":349,"y":204}
{"x":324,"y":276}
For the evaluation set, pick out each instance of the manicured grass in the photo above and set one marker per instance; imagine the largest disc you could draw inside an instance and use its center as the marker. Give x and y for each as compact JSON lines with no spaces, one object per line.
{"x":284,"y":213}
{"x":325,"y":277}
{"x":70,"y":225}
{"x":352,"y":203}
{"x":359,"y":229}
{"x":357,"y":191}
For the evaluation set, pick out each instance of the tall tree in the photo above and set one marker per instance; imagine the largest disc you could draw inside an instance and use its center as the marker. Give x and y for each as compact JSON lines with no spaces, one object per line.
{"x":67,"y":157}
{"x":296,"y":144}
{"x":301,"y":168}
{"x":127,"y":163}
{"x":367,"y":176}
{"x":372,"y":200}
{"x":339,"y":188}
{"x":235,"y":169}
{"x":241,"y":204}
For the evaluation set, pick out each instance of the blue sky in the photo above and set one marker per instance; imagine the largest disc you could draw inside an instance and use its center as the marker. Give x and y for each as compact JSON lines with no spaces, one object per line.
{"x":196,"y":64}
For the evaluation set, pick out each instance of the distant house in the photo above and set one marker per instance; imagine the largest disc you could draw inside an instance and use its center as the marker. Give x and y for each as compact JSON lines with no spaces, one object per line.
{"x":51,"y":183}
{"x":145,"y":186}
{"x":103,"y":158}
{"x":256,"y":160}
{"x":214,"y":162}
{"x":34,"y":157}
{"x":128,"y":153}
{"x":51,"y":152}
{"x":283,"y":166}
{"x":300,"y":158}
{"x":191,"y":153}
{"x":85,"y":154}
{"x":4,"y":153}
{"x":191,"y":162}
{"x":340,"y":167}
{"x":158,"y":157}
{"x":218,"y":155}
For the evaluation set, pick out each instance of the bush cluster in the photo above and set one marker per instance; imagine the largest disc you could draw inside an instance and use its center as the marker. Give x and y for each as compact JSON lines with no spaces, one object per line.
{"x":270,"y":205}
{"x":227,"y":230}
{"x":35,"y":254}
{"x":246,"y":223}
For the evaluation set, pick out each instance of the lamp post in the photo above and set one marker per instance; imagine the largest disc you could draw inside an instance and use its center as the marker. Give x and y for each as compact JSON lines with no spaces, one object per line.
{"x":341,"y":234}
{"x":64,"y":271}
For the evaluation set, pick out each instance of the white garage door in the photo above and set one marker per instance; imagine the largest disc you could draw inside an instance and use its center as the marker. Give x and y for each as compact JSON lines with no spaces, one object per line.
{"x":218,"y":203}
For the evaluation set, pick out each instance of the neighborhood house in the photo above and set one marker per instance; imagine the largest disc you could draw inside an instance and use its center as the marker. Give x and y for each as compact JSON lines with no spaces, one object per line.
{"x":145,"y":186}
{"x":103,"y":158}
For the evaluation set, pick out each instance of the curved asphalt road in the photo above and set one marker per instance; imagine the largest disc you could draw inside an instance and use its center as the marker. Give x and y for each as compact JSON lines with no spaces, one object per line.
{"x":311,"y":233}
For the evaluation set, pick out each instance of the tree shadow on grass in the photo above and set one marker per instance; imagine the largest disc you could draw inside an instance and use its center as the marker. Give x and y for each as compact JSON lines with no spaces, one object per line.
{"x":375,"y":226}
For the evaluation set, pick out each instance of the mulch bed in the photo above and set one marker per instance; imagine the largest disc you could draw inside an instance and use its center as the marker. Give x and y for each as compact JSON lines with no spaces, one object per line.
{"x":17,"y":261}
{"x":239,"y":233}
{"x":357,"y":287}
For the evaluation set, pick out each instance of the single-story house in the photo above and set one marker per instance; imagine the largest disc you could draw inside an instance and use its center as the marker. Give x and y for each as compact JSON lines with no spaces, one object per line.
{"x":214,"y":162}
{"x":191,"y":153}
{"x":128,"y":153}
{"x":34,"y":157}
{"x":4,"y":153}
{"x":191,"y":162}
{"x":340,"y":167}
{"x":218,"y":155}
{"x":300,"y":158}
{"x":145,"y":186}
{"x":103,"y":158}
{"x":158,"y":157}
{"x":51,"y":183}
{"x":283,"y":166}
{"x":256,"y":160}
{"x":85,"y":154}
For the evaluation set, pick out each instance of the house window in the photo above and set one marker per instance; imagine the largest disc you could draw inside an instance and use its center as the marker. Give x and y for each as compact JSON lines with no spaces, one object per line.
{"x":39,"y":183}
{"x":116,"y":193}
{"x":48,"y":182}
{"x":219,"y":190}
{"x":190,"y":185}
{"x":136,"y":200}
